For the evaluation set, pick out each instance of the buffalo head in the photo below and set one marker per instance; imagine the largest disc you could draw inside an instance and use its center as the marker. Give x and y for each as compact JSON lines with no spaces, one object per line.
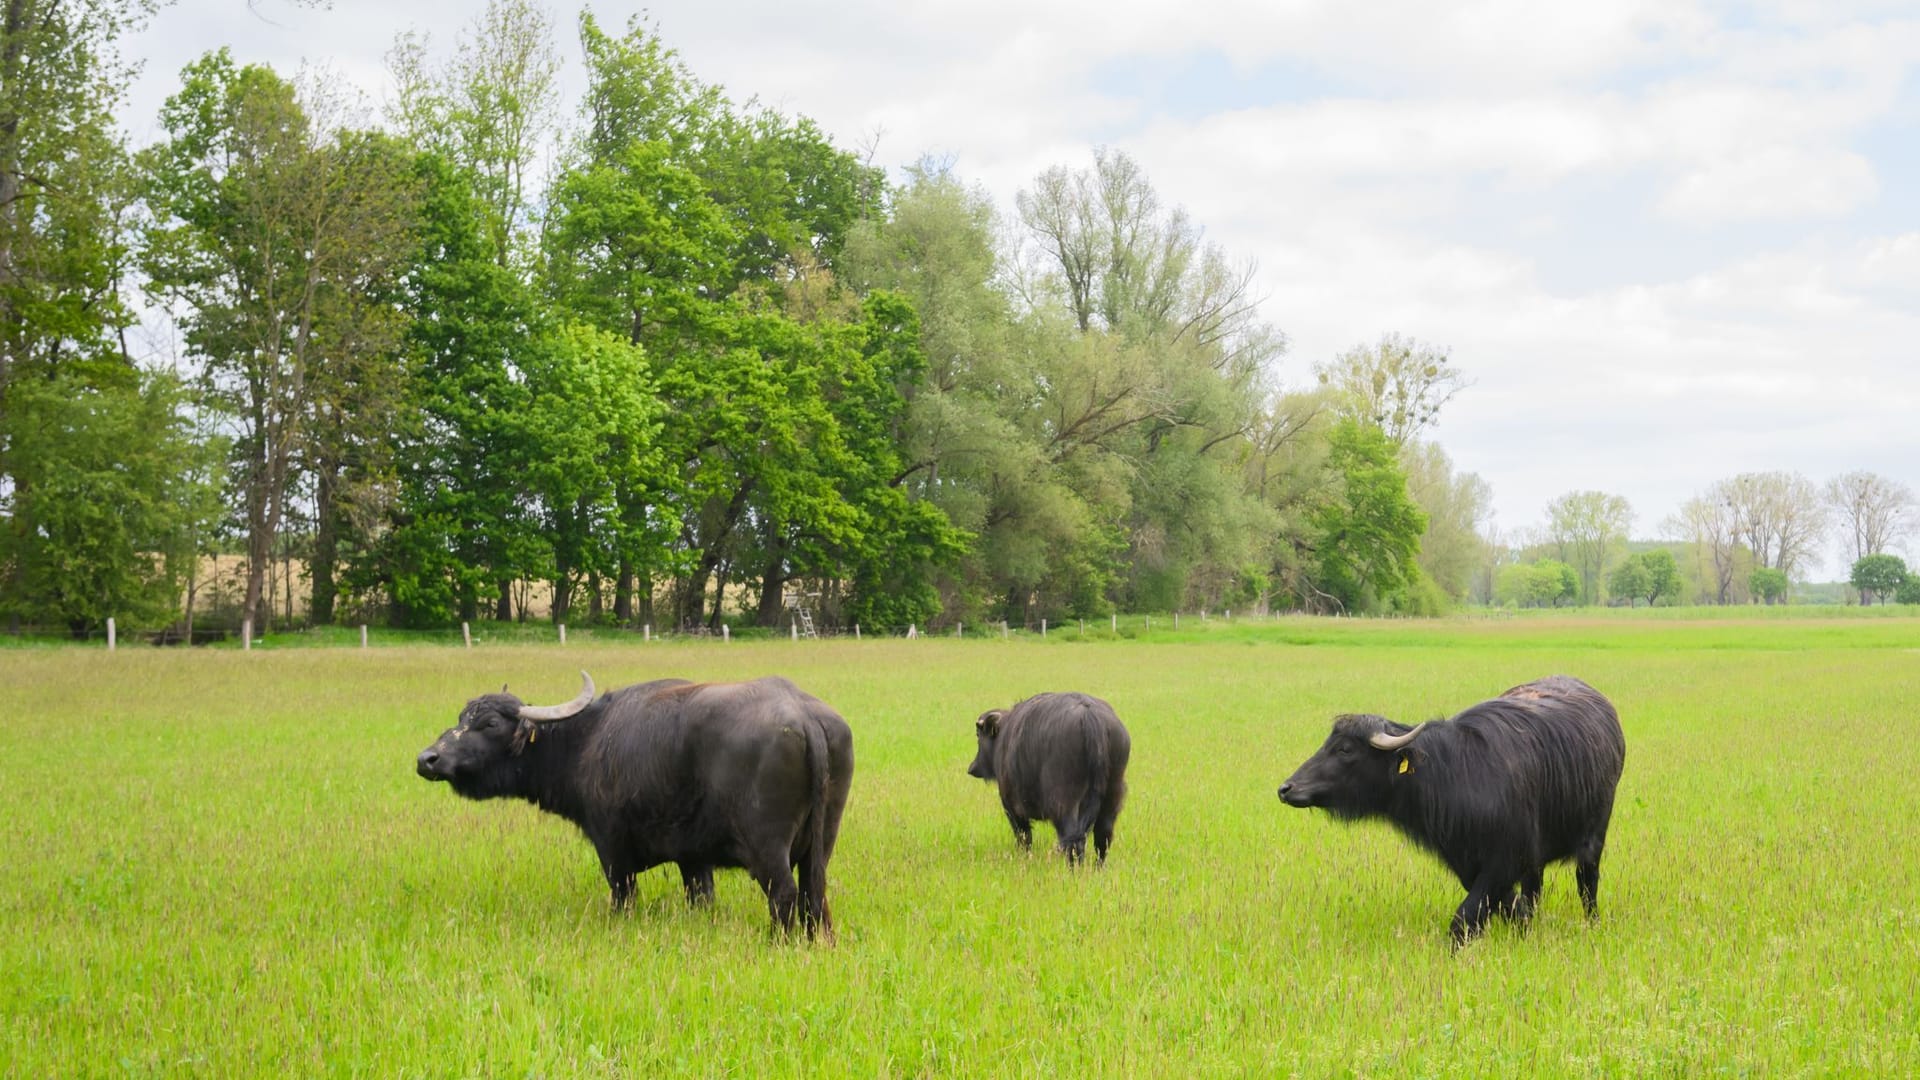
{"x":986,"y":729}
{"x":477,"y":754}
{"x":1353,"y":773}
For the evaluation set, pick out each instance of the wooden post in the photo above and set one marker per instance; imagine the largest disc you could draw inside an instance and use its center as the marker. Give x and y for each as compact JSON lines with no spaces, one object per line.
{"x":1005,"y":630}
{"x":466,"y":635}
{"x":1149,"y":622}
{"x":856,"y":631}
{"x":1043,"y":628}
{"x":646,"y":631}
{"x":726,"y":632}
{"x":793,"y":630}
{"x":1113,"y":621}
{"x":110,"y":634}
{"x":1176,"y":620}
{"x":363,"y":635}
{"x":246,"y":635}
{"x":563,"y":633}
{"x":959,"y":629}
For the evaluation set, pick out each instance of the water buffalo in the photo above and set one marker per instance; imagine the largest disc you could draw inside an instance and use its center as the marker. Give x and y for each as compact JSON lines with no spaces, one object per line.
{"x":1498,"y":792}
{"x":705,"y":775}
{"x":1062,"y":757}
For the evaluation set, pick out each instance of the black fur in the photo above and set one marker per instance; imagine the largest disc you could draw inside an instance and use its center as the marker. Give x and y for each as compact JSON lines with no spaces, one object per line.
{"x":707,"y":776}
{"x":1498,"y":792}
{"x":1061,"y":758}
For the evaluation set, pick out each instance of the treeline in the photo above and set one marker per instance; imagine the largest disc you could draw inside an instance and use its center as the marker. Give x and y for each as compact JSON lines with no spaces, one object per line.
{"x":659,"y":357}
{"x":1745,"y":539}
{"x":710,"y":362}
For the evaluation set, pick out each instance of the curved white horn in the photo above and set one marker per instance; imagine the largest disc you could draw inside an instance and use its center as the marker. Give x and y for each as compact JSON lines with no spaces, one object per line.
{"x":1384,"y":741}
{"x":545,"y":713}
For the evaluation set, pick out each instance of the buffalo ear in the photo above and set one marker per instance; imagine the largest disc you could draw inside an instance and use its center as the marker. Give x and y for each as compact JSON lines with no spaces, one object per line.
{"x":522,"y":735}
{"x":989,"y":722}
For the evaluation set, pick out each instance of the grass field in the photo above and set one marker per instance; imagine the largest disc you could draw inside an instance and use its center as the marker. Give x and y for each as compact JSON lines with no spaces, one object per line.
{"x":221,"y":863}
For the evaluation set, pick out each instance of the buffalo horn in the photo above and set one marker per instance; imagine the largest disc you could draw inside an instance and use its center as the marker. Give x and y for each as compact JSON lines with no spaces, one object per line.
{"x":1384,"y":741}
{"x":543,"y":713}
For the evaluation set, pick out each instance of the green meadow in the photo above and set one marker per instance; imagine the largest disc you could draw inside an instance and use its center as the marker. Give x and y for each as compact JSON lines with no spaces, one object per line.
{"x":221,"y":863}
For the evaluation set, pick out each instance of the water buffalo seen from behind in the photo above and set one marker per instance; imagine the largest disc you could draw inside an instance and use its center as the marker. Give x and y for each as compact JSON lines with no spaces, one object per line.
{"x":707,"y":776}
{"x":1060,"y":757}
{"x":1497,"y":792}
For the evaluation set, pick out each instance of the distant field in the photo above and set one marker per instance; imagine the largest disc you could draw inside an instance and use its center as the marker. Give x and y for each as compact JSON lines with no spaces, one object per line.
{"x":221,"y":863}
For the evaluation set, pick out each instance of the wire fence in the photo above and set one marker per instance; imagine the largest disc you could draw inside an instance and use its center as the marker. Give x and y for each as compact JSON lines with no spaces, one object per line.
{"x":488,"y":633}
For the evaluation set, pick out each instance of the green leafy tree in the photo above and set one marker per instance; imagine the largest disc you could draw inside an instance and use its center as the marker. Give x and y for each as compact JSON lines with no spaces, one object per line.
{"x":1545,"y":583}
{"x":69,"y":389}
{"x":1877,"y":576}
{"x":1630,"y":580}
{"x":1369,"y":536}
{"x":1909,"y":590}
{"x":1585,"y":528}
{"x":1664,"y":580}
{"x":1768,"y":583}
{"x":276,"y":241}
{"x":107,"y":475}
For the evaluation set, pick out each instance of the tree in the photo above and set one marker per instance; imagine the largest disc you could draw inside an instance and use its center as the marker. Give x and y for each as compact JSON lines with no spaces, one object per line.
{"x":1368,"y":536}
{"x":1663,"y":575}
{"x":107,"y":476}
{"x":1399,"y":385}
{"x":1629,"y":579}
{"x":278,"y":243}
{"x":1877,"y":576}
{"x":1873,"y":512}
{"x":1909,"y":591}
{"x":1708,"y":524}
{"x":1545,"y":583}
{"x":1585,"y":527}
{"x":1458,"y":506}
{"x":1768,"y":583}
{"x":65,"y":369}
{"x":488,"y":110}
{"x":1779,"y":514}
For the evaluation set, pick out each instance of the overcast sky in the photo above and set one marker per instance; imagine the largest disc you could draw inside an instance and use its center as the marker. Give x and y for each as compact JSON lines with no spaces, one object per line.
{"x":1669,"y":241}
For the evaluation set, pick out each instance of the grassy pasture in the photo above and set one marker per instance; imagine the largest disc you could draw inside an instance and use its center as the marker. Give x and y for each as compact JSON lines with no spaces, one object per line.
{"x":221,"y":863}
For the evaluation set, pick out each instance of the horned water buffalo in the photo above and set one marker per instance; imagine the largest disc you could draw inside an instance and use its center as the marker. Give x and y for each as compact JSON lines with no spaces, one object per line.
{"x":1060,"y":757}
{"x":1497,"y":792}
{"x":705,"y":775}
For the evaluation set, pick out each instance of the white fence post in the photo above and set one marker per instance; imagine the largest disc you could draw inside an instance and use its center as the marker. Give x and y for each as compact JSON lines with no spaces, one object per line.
{"x":363,"y":635}
{"x":1176,"y":620}
{"x":466,"y":635}
{"x":911,"y":632}
{"x":856,"y":631}
{"x":563,"y":633}
{"x":1043,"y":628}
{"x":646,"y":631}
{"x":1113,"y":621}
{"x":793,"y":630}
{"x":110,"y":633}
{"x":246,"y":635}
{"x":1006,"y":631}
{"x":959,"y":629}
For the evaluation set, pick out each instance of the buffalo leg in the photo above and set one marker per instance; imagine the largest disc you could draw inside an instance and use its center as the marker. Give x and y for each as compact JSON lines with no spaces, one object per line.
{"x":621,"y":885}
{"x":1103,"y":825}
{"x":1073,"y":843}
{"x":697,"y":879}
{"x":774,"y":872}
{"x":1586,"y":872}
{"x":1022,"y":830}
{"x":1471,"y":917}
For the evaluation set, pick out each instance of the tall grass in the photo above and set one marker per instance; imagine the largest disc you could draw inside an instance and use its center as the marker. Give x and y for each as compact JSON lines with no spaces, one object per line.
{"x":222,"y":863}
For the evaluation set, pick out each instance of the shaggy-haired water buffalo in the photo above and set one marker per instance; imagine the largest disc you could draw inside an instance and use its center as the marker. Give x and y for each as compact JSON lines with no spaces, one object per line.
{"x":1498,"y":792}
{"x":705,"y":775}
{"x":1061,"y":757}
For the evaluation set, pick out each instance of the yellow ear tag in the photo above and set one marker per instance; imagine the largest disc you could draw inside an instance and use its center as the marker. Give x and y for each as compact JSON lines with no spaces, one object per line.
{"x":1405,"y":766}
{"x":535,"y":734}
